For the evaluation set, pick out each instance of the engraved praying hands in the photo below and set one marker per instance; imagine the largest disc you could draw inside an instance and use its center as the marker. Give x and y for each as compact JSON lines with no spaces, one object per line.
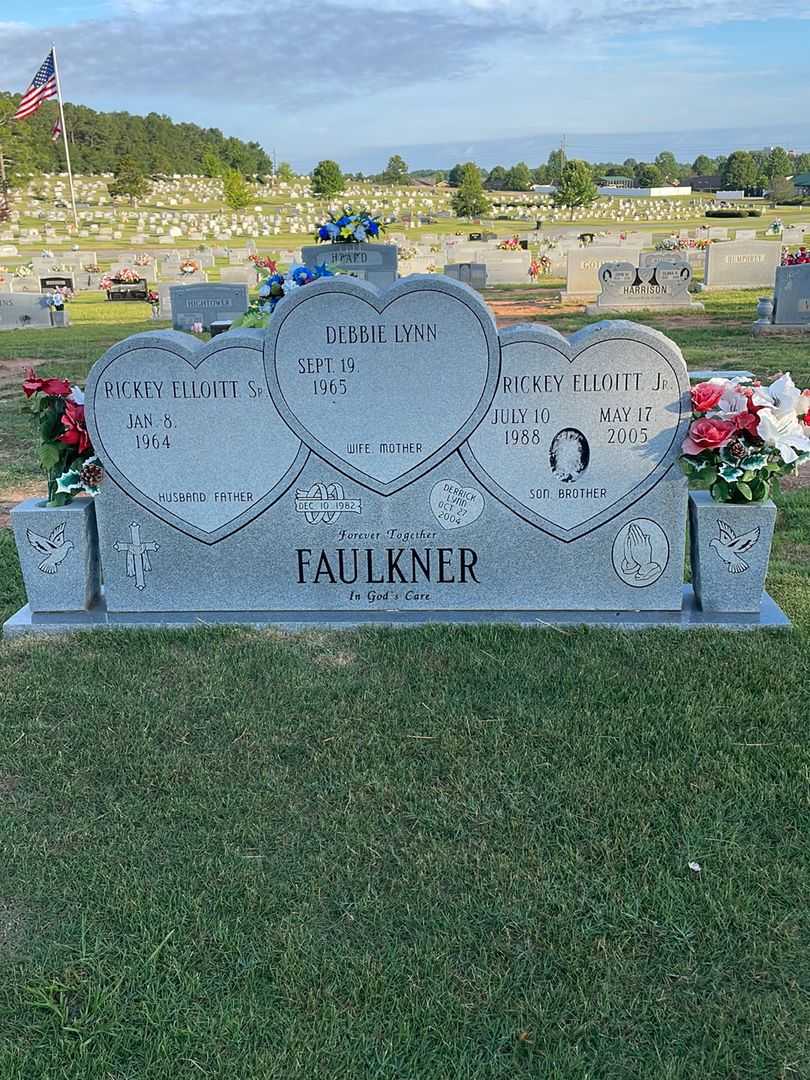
{"x":638,"y":555}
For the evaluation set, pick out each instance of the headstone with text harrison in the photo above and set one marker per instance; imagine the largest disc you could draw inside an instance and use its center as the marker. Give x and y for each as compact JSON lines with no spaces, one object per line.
{"x":626,"y":287}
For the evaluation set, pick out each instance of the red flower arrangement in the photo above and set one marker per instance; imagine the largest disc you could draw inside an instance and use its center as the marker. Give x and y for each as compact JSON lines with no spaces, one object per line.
{"x":75,"y":433}
{"x":65,"y":452}
{"x":264,"y":262}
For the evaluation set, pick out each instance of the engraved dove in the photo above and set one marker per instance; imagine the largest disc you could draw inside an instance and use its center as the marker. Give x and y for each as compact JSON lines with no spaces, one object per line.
{"x":729,"y":547}
{"x":637,"y":561}
{"x":55,"y":548}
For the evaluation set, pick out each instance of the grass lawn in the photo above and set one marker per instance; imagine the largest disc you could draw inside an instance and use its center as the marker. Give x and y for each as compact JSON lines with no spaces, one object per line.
{"x":433,"y":854}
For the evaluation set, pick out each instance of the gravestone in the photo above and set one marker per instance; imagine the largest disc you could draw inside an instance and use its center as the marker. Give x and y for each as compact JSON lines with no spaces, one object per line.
{"x":375,"y":263}
{"x":626,"y":287}
{"x":244,"y":275}
{"x":25,"y":311}
{"x":791,"y":234}
{"x":375,"y":453}
{"x":583,"y":264}
{"x":694,"y":257}
{"x":190,"y":304}
{"x":747,"y":264}
{"x":508,"y":269}
{"x":472,"y":273}
{"x":387,"y":457}
{"x":57,"y":281}
{"x":792,"y":295}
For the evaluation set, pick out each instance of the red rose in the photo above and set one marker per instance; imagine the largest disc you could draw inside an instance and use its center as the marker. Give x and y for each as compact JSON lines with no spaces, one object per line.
{"x":52,"y":387}
{"x":747,"y":421}
{"x":75,"y":434}
{"x":706,"y":395}
{"x":707,"y":434}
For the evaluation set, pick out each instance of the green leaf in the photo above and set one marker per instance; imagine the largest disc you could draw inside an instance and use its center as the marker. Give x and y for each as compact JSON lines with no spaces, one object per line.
{"x":721,"y":492}
{"x":708,"y":476}
{"x":745,"y":490}
{"x":49,"y":455}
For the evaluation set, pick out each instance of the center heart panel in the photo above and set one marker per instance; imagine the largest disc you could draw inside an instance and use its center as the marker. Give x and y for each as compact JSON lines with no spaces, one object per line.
{"x":382,"y":386}
{"x":578,"y":430}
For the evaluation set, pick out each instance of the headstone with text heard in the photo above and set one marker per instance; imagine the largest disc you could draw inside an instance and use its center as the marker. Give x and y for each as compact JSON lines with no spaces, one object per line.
{"x":386,"y":452}
{"x":372,"y":262}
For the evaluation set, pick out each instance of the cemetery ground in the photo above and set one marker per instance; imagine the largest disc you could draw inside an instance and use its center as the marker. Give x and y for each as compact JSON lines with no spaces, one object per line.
{"x":440,"y":852}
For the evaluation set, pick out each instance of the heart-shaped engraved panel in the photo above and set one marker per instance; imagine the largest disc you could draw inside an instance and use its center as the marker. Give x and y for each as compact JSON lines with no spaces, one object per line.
{"x":581,"y":428}
{"x":190,"y":431}
{"x":382,"y":385}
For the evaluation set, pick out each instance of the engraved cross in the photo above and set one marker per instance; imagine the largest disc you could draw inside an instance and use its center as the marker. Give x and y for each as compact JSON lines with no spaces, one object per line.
{"x":137,"y":551}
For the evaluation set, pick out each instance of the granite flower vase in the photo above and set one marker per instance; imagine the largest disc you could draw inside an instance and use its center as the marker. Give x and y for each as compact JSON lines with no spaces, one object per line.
{"x":58,"y":551}
{"x":730,"y":544}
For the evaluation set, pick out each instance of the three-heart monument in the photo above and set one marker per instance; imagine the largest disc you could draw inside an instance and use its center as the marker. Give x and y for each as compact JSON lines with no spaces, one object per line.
{"x":388,"y":456}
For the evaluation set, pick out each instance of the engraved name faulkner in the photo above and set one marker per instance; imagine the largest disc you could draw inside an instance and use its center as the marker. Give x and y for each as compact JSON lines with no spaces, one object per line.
{"x":388,"y":566}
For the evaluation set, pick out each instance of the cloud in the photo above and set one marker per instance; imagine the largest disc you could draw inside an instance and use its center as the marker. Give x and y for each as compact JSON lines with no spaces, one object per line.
{"x":189,"y":53}
{"x":309,"y":76}
{"x":192,"y":50}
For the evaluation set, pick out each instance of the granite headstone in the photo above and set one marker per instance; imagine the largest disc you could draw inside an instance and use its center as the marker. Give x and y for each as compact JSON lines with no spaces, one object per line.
{"x":372,"y":262}
{"x":206,"y":303}
{"x":792,"y":295}
{"x":743,"y":264}
{"x":380,"y":452}
{"x":583,"y":265}
{"x":626,"y":287}
{"x":25,"y":311}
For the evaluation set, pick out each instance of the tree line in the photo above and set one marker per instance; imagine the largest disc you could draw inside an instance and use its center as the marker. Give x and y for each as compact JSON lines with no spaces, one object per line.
{"x":743,"y":169}
{"x":98,"y":141}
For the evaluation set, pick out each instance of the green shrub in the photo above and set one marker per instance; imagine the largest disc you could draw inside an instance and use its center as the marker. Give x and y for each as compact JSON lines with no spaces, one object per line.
{"x":729,"y":213}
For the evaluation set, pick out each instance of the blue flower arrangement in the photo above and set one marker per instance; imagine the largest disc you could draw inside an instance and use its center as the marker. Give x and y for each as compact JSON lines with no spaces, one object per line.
{"x":276,"y":287}
{"x":349,"y":228}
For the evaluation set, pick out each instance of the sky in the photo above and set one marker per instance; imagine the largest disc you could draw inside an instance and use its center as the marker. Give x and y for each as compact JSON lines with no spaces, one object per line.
{"x":437,"y":80}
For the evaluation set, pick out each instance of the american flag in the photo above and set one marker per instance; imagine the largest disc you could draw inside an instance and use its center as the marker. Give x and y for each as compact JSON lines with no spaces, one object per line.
{"x":42,"y":87}
{"x":56,"y":130}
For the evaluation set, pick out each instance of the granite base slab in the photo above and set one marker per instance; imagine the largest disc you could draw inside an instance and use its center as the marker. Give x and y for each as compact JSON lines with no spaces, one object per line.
{"x":690,"y":617}
{"x":597,"y":309}
{"x":768,"y":329}
{"x":706,"y":374}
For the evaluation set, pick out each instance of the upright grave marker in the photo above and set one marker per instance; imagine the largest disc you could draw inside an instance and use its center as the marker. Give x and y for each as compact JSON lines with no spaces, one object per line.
{"x":626,"y":287}
{"x":204,"y":303}
{"x":744,"y":264}
{"x":385,"y":456}
{"x":583,"y":265}
{"x":375,"y":263}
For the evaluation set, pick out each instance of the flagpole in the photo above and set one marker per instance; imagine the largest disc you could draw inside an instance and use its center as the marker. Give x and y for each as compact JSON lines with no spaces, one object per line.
{"x":64,"y":136}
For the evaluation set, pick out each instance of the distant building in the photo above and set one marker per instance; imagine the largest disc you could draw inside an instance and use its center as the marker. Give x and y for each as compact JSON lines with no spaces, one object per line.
{"x":616,"y":181}
{"x":801,"y":181}
{"x":705,"y":183}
